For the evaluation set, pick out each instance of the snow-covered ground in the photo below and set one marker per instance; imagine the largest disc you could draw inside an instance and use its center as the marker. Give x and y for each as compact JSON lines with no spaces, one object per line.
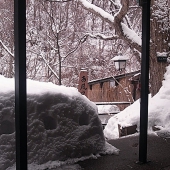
{"x":158,"y":113}
{"x":63,"y":126}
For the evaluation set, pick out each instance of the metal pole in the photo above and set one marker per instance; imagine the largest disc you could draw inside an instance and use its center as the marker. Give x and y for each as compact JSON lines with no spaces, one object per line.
{"x":144,"y":81}
{"x":20,"y":84}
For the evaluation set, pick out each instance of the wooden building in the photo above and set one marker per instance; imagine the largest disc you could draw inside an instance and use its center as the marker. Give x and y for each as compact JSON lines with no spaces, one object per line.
{"x":120,"y":88}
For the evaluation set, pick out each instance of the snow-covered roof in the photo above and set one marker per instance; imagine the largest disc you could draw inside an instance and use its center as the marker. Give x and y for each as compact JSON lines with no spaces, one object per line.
{"x":113,"y":78}
{"x":162,"y":54}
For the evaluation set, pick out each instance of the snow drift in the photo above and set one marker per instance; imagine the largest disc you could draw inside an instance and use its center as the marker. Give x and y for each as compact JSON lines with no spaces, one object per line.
{"x":62,"y":124}
{"x":158,"y":113}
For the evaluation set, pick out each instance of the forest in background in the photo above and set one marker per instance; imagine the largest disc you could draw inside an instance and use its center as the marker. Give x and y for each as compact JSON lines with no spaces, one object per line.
{"x":65,"y":36}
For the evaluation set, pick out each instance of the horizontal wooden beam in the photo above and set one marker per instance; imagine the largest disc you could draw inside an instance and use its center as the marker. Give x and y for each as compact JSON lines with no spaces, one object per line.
{"x":112,"y":113}
{"x":113,"y":103}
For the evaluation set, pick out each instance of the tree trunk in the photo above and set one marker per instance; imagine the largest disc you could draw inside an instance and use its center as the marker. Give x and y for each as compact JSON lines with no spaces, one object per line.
{"x":159,"y":42}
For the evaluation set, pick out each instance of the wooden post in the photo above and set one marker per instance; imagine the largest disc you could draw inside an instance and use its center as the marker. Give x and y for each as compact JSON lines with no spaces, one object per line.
{"x":83,"y":82}
{"x":144,"y":81}
{"x":20,"y":84}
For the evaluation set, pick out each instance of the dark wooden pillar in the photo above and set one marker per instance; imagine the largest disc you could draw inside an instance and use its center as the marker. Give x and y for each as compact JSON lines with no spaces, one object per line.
{"x":144,"y":80}
{"x":20,"y":83}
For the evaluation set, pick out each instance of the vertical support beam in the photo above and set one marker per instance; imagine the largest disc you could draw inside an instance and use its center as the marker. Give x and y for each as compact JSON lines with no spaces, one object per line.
{"x":144,"y":81}
{"x":20,"y":84}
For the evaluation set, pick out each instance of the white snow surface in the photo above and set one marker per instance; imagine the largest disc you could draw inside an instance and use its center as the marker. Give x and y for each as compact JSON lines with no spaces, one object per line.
{"x":131,"y":34}
{"x":103,"y":13}
{"x":107,"y":109}
{"x":119,"y":57}
{"x":63,"y":126}
{"x":158,"y":113}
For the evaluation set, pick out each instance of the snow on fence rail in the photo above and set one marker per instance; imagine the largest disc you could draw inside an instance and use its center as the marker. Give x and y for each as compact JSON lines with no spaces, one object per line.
{"x":112,"y":113}
{"x":107,"y":109}
{"x":112,"y":103}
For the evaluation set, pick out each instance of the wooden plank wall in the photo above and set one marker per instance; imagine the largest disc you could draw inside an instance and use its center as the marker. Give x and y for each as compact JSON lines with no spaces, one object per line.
{"x":106,"y":92}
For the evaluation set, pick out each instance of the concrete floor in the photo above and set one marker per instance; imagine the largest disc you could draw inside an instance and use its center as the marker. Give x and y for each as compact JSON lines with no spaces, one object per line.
{"x":158,"y":155}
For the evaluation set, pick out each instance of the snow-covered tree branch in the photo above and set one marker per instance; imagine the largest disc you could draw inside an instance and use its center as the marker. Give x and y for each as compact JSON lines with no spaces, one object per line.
{"x":116,"y":21}
{"x":102,"y":36}
{"x":6,"y":49}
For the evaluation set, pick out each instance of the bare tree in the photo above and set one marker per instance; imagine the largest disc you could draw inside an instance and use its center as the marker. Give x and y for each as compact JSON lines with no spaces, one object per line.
{"x":160,"y":38}
{"x":64,"y":35}
{"x":123,"y":29}
{"x":6,"y":40}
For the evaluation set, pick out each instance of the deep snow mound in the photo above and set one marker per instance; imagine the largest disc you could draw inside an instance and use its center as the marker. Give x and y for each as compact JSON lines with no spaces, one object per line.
{"x":158,"y":113}
{"x":62,"y":123}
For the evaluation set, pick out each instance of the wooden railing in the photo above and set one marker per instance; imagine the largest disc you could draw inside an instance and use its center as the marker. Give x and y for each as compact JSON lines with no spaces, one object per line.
{"x":112,"y":103}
